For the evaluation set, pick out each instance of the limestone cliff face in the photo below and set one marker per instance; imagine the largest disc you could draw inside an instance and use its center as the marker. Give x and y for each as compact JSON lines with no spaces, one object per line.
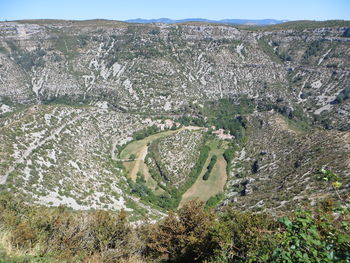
{"x":165,"y":68}
{"x":105,"y":80}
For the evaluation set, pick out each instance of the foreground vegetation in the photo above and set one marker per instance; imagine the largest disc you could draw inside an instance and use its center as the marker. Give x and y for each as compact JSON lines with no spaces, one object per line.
{"x":193,"y":234}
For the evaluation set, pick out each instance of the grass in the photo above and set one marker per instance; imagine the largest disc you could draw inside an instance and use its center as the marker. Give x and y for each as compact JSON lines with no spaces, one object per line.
{"x":135,"y":146}
{"x":138,"y":148}
{"x":11,"y":254}
{"x":143,"y":168}
{"x":204,"y":189}
{"x":298,"y":125}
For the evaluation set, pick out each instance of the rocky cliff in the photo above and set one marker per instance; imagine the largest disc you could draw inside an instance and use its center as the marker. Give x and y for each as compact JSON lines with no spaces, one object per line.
{"x":164,"y":68}
{"x":72,"y":92}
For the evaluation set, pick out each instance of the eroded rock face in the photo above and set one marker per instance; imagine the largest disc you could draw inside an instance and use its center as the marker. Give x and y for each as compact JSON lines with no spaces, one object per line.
{"x":101,"y":76}
{"x":164,"y":68}
{"x":62,"y":155}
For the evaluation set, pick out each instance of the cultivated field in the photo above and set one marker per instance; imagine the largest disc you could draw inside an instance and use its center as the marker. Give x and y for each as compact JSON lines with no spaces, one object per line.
{"x":203,"y":190}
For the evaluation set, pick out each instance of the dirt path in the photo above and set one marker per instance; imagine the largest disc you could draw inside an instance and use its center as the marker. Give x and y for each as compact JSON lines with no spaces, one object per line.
{"x":139,"y":162}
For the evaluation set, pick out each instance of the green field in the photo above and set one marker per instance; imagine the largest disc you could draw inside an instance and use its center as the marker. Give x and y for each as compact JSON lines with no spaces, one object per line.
{"x":135,"y":146}
{"x":204,"y":189}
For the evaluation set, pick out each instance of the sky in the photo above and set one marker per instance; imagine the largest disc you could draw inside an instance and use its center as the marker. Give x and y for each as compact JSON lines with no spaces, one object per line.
{"x":179,"y":9}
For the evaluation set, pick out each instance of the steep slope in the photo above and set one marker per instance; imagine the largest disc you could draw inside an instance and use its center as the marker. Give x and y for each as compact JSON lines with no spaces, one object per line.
{"x":279,"y":164}
{"x":165,"y":68}
{"x":57,"y":155}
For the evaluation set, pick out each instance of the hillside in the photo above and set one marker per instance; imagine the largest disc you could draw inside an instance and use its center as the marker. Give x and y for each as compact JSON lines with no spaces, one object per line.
{"x":145,"y":68}
{"x":278,"y":165}
{"x":85,"y":108}
{"x":174,"y":156}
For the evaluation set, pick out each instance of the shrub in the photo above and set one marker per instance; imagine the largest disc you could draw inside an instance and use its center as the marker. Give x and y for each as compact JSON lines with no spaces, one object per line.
{"x":210,"y":167}
{"x":228,"y":156}
{"x":23,"y":235}
{"x":342,"y":96}
{"x":193,"y":234}
{"x":214,"y":200}
{"x":313,"y":237}
{"x":68,"y":236}
{"x":132,"y":157}
{"x":188,"y":237}
{"x":139,"y":135}
{"x":251,"y":236}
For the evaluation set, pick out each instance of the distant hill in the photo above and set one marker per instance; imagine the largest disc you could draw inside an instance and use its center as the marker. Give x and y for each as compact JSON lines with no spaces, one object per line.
{"x":261,"y":22}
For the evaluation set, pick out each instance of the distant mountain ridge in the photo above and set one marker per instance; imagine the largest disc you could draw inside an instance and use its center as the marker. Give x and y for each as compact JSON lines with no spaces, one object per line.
{"x":261,"y":22}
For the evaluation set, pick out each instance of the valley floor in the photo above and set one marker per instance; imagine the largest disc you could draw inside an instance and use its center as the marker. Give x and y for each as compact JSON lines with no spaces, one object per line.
{"x":134,"y":154}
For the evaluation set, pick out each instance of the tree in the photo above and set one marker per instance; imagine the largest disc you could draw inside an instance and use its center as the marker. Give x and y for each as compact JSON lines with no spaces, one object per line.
{"x":210,"y":167}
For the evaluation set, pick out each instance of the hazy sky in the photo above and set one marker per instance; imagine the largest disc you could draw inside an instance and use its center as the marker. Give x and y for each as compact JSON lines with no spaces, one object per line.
{"x":211,"y":9}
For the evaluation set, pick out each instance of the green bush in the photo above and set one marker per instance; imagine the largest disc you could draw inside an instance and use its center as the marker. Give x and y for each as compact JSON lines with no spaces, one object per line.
{"x":210,"y":167}
{"x":139,"y":135}
{"x":65,"y":235}
{"x":303,"y":236}
{"x":214,"y":200}
{"x":189,"y":236}
{"x":309,"y":237}
{"x":228,"y":156}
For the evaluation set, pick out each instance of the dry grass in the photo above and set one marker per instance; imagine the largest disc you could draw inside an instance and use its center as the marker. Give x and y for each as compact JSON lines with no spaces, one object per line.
{"x":11,"y":251}
{"x":204,"y":189}
{"x":135,"y":146}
